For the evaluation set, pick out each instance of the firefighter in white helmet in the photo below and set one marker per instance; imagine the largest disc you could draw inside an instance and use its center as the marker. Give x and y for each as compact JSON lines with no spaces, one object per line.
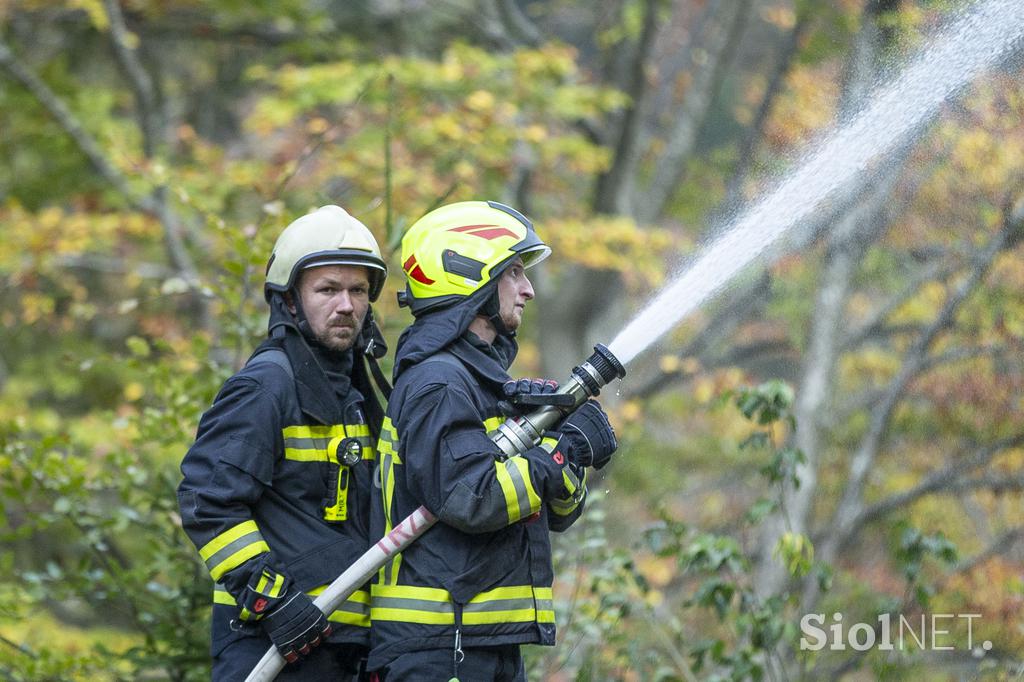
{"x":277,"y":486}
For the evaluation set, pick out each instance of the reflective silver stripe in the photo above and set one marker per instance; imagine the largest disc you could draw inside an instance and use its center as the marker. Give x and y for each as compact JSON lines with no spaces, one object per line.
{"x":522,"y":496}
{"x":564,"y":507}
{"x":317,"y":443}
{"x":406,"y":603}
{"x":385,"y":479}
{"x":354,"y":607}
{"x":227,"y":550}
{"x":500,"y":605}
{"x":297,"y":443}
{"x":322,"y":443}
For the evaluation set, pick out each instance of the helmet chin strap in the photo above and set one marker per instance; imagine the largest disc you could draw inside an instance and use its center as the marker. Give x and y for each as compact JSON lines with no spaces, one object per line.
{"x":301,"y":321}
{"x":491,"y":309}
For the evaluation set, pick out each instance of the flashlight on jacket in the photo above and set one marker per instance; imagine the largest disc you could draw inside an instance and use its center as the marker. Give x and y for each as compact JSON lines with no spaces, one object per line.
{"x":518,"y":434}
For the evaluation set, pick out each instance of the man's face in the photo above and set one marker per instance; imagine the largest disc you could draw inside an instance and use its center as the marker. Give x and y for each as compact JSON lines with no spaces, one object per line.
{"x":514,"y":290}
{"x":335,"y":299}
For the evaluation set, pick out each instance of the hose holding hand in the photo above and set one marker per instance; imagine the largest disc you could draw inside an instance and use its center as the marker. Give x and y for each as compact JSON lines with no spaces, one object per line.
{"x":525,"y":395}
{"x":590,"y":436}
{"x":296,"y":626}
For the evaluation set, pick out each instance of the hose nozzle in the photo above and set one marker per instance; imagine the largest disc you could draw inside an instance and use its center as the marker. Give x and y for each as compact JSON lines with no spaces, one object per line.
{"x":518,"y":434}
{"x":598,"y":370}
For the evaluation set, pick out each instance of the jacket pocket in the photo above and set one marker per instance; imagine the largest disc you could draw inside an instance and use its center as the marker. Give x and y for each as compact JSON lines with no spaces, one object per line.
{"x":465,"y":443}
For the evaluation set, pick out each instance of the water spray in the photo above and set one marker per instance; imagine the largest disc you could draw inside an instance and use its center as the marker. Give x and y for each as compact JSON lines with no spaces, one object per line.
{"x":988,"y":32}
{"x":514,"y":436}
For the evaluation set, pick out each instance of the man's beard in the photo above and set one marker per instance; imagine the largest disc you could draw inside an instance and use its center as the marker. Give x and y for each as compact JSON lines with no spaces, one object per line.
{"x":328,"y":339}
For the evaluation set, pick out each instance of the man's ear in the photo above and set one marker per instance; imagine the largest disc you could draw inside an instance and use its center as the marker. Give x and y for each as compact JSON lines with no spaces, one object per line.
{"x":289,"y":302}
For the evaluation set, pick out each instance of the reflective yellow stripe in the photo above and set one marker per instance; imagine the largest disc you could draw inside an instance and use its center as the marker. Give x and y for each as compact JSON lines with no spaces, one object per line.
{"x":232,"y":548}
{"x":226,"y":538}
{"x":424,"y":605}
{"x":491,"y":425}
{"x":353,"y":611}
{"x":545,"y":604}
{"x":433,"y":606}
{"x":388,"y":441}
{"x":577,"y":489}
{"x":548,"y":443}
{"x":513,"y":476}
{"x":222,"y":596}
{"x":311,"y":443}
{"x":320,"y":431}
{"x":275,"y":591}
{"x":508,"y":488}
{"x":511,"y":604}
{"x":388,"y":446}
{"x":564,"y":507}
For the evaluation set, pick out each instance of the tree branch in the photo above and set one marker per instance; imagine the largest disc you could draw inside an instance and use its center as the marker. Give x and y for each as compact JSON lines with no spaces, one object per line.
{"x":152,"y":125}
{"x":98,"y":263}
{"x":70,"y":124}
{"x":949,"y":479}
{"x":518,"y":24}
{"x":671,"y":165}
{"x":611,"y":194}
{"x":753,"y":134}
{"x":851,"y":501}
{"x":866,"y":399}
{"x":138,"y":80}
{"x":874,"y":324}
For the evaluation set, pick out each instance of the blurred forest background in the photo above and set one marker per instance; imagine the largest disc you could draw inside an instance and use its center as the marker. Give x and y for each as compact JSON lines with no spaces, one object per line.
{"x":839,"y":432}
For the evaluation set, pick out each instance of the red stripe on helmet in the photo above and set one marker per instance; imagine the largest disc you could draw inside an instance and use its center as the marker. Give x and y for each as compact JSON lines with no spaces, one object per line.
{"x":487,"y":232}
{"x":417,"y":274}
{"x":413,"y":269}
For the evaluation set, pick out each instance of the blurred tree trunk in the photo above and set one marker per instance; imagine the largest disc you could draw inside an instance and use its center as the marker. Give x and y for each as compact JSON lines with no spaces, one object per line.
{"x":851,"y":237}
{"x":572,"y":317}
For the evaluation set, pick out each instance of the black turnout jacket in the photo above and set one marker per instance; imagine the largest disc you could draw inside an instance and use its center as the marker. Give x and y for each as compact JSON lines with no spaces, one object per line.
{"x":265,"y":485}
{"x":484,"y":570}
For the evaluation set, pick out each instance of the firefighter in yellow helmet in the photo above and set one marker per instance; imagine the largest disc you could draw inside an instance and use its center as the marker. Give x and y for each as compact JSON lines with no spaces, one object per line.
{"x":277,"y":487}
{"x":461,"y":599}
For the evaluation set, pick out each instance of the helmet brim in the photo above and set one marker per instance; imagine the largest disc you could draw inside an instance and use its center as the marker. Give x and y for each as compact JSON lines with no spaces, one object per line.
{"x":378,"y":271}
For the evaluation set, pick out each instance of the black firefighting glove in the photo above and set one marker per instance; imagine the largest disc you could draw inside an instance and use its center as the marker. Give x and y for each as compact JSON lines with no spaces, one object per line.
{"x":294,"y":624}
{"x":590,"y":436}
{"x":524,"y":395}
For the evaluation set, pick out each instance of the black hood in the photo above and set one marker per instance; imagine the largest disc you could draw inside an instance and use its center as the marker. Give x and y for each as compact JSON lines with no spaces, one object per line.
{"x":448,"y":329}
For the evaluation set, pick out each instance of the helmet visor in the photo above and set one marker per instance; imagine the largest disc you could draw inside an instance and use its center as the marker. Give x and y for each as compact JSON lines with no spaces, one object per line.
{"x":534,"y":255}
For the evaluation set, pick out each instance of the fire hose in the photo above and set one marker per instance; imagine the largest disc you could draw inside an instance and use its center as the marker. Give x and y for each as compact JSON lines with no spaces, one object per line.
{"x":514,"y":436}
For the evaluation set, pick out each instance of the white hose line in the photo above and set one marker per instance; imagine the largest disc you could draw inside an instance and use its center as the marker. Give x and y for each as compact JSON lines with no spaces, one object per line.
{"x":414,"y":525}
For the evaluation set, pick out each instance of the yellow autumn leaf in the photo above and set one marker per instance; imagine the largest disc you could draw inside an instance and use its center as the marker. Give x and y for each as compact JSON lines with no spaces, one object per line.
{"x":630,"y":411}
{"x":133,"y":391}
{"x":704,"y":391}
{"x":480,"y":100}
{"x":669,"y":363}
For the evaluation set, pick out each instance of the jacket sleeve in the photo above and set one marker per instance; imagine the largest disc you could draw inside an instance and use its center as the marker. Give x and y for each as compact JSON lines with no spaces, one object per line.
{"x":461,"y":476}
{"x":563,"y":512}
{"x":225,"y":472}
